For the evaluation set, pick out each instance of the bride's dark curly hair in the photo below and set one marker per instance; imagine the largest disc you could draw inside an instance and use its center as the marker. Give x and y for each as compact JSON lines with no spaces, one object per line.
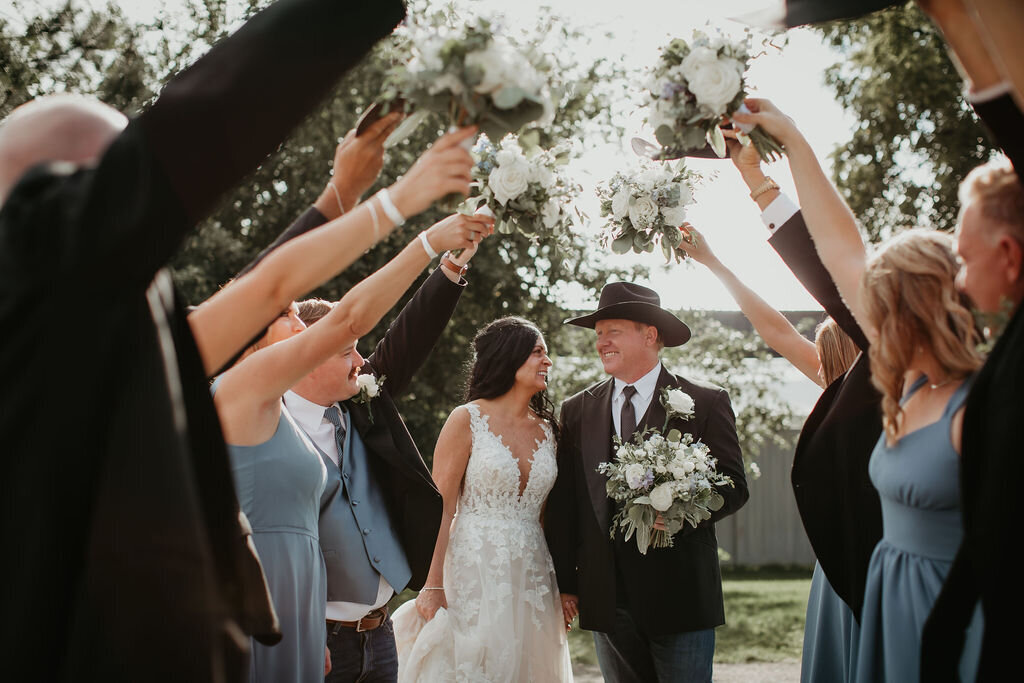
{"x":499,"y":350}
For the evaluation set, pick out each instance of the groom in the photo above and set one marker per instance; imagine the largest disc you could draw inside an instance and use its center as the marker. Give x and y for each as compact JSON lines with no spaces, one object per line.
{"x":653,"y":615}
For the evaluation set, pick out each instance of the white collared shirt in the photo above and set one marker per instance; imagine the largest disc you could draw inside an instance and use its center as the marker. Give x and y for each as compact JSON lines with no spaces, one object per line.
{"x":778,"y":212}
{"x":311,"y":417}
{"x":644,"y":386}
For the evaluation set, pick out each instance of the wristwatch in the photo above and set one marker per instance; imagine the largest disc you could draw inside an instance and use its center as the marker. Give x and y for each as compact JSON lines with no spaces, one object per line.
{"x":452,"y":266}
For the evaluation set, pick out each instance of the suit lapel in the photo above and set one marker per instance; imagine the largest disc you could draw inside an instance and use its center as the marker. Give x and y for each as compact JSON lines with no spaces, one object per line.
{"x":596,"y":447}
{"x":378,"y":438}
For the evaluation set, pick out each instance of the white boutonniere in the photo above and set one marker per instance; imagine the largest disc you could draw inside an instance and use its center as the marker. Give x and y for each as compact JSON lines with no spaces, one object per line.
{"x":677,"y":403}
{"x":369,"y":389}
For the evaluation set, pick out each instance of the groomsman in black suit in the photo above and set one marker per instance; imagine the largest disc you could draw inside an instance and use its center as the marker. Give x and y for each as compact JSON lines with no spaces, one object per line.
{"x":128,"y":559}
{"x":380,"y":511}
{"x":653,"y":615}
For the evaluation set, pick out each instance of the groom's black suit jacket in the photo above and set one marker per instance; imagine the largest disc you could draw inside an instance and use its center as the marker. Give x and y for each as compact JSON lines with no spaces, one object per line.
{"x":669,"y":590}
{"x":989,"y":487}
{"x":838,"y":504}
{"x":124,"y":550}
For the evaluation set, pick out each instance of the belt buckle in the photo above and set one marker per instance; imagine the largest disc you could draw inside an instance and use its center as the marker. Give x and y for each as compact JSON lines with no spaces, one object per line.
{"x":359,"y":626}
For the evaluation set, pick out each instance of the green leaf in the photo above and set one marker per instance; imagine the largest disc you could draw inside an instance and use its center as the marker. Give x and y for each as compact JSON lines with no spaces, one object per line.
{"x":717,"y":141}
{"x":622,"y":244}
{"x":508,"y":98}
{"x":665,"y":136}
{"x":674,"y":435}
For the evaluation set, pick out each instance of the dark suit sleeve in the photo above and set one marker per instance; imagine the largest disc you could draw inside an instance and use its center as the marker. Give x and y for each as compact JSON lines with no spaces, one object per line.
{"x":116,"y":224}
{"x":720,"y":436}
{"x":411,"y":337}
{"x":303,"y":224}
{"x":1004,"y":121}
{"x":560,"y":520}
{"x":794,"y":244}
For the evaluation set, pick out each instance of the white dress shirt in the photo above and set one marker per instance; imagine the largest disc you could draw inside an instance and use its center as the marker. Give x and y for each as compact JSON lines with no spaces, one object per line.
{"x":645,"y":387}
{"x":778,"y":212}
{"x":310,"y":416}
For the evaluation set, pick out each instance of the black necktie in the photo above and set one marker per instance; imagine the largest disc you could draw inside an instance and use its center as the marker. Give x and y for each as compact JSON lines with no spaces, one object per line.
{"x":627,"y":417}
{"x":333,"y":415}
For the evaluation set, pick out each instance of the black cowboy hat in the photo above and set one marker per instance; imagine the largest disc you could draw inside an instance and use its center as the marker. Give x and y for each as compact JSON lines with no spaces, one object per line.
{"x":790,"y":13}
{"x":627,"y":301}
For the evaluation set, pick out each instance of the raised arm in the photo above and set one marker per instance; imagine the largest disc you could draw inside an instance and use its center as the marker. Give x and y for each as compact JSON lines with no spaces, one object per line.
{"x":249,"y":394}
{"x":230,"y":318}
{"x":829,"y":220}
{"x":357,"y":163}
{"x":773,"y":327}
{"x":451,"y":456}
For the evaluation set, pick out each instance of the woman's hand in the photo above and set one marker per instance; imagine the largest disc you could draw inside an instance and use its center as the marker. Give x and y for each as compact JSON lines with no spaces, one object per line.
{"x":771,"y":120}
{"x":429,"y":601}
{"x":460,"y":231}
{"x":442,"y":170}
{"x":696,"y":246}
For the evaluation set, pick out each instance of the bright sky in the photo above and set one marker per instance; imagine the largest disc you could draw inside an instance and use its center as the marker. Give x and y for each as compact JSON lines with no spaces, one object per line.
{"x":791,"y":77}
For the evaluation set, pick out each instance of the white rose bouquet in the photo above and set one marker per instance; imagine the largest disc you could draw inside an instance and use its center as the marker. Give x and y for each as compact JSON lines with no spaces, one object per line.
{"x":645,"y":207}
{"x":524,"y":189}
{"x":693,"y":87}
{"x":369,"y":388}
{"x":672,"y":476}
{"x":469,"y":73}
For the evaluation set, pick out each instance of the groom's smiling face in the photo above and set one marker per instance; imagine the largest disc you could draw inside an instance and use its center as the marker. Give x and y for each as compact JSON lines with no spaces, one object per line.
{"x":628,"y":349}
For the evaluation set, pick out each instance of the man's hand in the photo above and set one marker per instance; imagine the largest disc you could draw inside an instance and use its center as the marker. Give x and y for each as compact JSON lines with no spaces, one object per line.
{"x":327,"y":661}
{"x":570,"y":609}
{"x":357,"y":163}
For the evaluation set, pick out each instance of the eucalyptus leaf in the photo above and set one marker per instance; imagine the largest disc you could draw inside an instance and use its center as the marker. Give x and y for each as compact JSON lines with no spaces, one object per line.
{"x":508,"y":98}
{"x":717,"y":141}
{"x":674,"y":436}
{"x":622,"y":244}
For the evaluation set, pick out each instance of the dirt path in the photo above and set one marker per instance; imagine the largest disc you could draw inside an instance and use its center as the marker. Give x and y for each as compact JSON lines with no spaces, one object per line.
{"x":787,"y":671}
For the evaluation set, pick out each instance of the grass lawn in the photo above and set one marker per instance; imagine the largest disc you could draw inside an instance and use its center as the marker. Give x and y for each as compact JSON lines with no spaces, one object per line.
{"x":764,"y":613}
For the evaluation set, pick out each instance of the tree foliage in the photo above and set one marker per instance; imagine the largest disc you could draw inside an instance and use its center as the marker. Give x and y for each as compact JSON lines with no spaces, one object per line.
{"x":124,"y":63}
{"x":916,"y":137}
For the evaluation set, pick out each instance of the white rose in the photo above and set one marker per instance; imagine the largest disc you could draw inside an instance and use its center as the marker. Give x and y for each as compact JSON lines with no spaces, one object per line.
{"x":446,"y":82}
{"x":661,"y":497}
{"x":542,"y":175}
{"x":674,"y":215}
{"x":679,"y":401}
{"x":507,"y":157}
{"x":643,"y":212}
{"x":492,"y":64}
{"x":678,"y":471}
{"x":649,"y":178}
{"x":551,"y":213}
{"x":368,"y":383}
{"x":509,"y":181}
{"x":635,"y":475}
{"x":620,"y":203}
{"x":713,"y":80}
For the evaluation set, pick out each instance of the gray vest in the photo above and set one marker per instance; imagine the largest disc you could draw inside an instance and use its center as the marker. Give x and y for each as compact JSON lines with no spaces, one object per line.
{"x":356,"y":534}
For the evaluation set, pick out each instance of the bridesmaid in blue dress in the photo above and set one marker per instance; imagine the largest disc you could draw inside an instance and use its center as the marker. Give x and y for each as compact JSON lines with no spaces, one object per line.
{"x":277,"y":470}
{"x":922,"y":336}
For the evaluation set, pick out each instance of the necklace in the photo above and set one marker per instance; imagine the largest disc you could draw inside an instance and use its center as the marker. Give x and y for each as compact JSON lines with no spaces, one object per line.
{"x":933,"y":387}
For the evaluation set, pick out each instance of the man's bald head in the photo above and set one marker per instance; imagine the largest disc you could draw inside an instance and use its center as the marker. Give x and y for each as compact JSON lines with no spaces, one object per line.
{"x":67,"y":128}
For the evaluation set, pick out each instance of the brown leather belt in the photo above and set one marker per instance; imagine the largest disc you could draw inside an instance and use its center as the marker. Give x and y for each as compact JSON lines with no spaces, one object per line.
{"x":367,"y":623}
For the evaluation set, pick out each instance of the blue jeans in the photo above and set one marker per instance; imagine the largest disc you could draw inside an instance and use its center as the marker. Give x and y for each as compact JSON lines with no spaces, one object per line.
{"x":627,"y":656}
{"x":367,"y":657}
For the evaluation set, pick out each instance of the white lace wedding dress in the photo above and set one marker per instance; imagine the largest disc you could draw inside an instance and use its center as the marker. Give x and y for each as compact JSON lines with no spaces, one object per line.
{"x":504,"y":617}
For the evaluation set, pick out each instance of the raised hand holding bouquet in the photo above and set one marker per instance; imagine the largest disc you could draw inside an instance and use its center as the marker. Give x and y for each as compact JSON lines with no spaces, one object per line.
{"x":670,"y":475}
{"x":694,"y":87}
{"x":468,"y":72}
{"x":647,"y":206}
{"x":525,"y":190}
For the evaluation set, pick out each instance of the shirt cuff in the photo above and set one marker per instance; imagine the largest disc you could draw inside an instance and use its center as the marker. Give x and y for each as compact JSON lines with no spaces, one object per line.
{"x":778,"y":212}
{"x":990,"y":93}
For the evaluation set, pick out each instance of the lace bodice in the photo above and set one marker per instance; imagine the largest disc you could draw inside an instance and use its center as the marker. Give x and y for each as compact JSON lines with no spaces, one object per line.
{"x":493,"y":479}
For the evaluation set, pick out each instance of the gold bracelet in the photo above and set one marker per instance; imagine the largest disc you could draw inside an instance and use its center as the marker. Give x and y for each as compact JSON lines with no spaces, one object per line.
{"x":766,"y":185}
{"x":432,"y":588}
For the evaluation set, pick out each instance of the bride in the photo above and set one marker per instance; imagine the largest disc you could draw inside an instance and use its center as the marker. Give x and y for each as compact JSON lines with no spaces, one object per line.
{"x":490,"y":609}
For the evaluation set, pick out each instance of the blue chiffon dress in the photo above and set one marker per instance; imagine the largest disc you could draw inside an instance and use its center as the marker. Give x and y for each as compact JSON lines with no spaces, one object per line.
{"x":831,"y":634}
{"x":279,"y":483}
{"x":918,"y":483}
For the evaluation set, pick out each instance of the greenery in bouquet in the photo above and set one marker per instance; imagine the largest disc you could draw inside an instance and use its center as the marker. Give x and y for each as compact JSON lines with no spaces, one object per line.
{"x":470,"y":72}
{"x":645,"y":207}
{"x":524,"y":187}
{"x":669,"y":475}
{"x":694,"y":86}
